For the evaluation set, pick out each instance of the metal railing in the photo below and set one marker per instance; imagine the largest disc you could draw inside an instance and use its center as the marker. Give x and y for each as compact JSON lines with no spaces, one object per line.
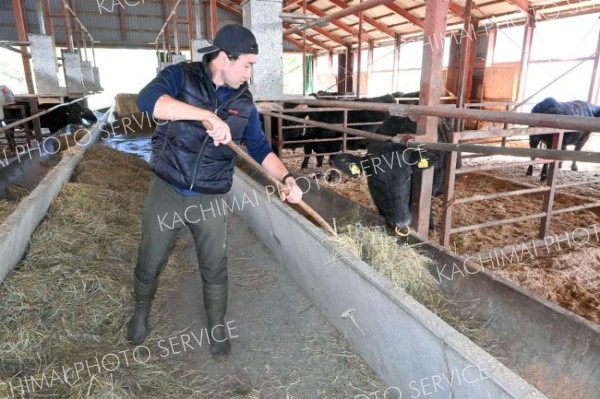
{"x":549,"y":124}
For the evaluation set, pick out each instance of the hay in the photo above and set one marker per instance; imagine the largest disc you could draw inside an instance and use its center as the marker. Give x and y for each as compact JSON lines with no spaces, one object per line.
{"x":69,"y":298}
{"x":407,"y":268}
{"x":17,"y":191}
{"x":6,"y":208}
{"x":125,"y":104}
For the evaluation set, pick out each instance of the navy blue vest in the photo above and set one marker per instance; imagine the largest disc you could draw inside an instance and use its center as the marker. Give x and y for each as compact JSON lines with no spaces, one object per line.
{"x":183,"y":153}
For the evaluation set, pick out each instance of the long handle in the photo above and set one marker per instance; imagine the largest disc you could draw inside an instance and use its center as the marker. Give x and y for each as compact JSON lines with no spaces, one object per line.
{"x":302,"y":205}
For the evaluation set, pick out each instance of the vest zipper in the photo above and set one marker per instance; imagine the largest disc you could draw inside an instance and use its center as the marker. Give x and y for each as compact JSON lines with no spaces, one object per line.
{"x":207,"y":136}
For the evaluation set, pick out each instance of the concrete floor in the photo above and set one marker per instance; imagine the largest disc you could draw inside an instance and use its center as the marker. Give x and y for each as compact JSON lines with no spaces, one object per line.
{"x":285,"y":348}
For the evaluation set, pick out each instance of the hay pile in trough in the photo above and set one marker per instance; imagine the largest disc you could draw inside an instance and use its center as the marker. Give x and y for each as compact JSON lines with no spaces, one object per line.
{"x":407,"y":268}
{"x":67,"y":302}
{"x":17,"y":191}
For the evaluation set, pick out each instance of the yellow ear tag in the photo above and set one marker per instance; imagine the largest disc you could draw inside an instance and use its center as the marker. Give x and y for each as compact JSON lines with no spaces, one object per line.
{"x":354,"y":169}
{"x":423,"y":163}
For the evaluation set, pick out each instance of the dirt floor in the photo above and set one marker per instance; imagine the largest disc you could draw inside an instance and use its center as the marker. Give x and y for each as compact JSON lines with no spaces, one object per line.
{"x":567,"y":272}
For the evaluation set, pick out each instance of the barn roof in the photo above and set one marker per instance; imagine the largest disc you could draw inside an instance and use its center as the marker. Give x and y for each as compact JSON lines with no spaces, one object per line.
{"x":136,"y":23}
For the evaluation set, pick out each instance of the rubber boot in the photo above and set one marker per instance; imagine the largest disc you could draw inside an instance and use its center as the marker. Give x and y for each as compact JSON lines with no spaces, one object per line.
{"x":215,"y":303}
{"x":137,"y":327}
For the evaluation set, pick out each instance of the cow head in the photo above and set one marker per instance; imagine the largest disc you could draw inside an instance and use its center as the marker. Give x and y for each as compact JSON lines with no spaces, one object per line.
{"x":389,"y":168}
{"x":77,"y":114}
{"x":548,"y":106}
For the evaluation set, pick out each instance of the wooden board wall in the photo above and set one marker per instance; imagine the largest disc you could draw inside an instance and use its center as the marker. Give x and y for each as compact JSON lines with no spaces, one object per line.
{"x":500,"y":82}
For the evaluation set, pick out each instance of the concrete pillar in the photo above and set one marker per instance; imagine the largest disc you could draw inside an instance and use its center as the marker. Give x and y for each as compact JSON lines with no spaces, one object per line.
{"x":198,"y":44}
{"x":262,"y":18}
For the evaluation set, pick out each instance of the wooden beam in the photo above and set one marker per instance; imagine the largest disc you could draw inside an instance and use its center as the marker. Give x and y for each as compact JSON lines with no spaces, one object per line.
{"x":228,"y":8}
{"x":22,"y":36}
{"x":522,"y":5}
{"x":457,"y":10}
{"x":122,"y":23}
{"x":337,"y":23}
{"x":319,"y":43}
{"x":370,"y":20}
{"x":330,"y":36}
{"x":298,"y":43}
{"x":406,"y":15}
{"x":290,"y":3}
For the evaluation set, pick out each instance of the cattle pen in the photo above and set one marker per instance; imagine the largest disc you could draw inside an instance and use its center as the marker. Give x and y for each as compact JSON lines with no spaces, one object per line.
{"x":477,"y":269}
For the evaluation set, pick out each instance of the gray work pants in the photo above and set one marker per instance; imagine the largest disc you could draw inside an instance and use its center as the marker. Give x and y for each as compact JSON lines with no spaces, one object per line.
{"x":165,"y":213}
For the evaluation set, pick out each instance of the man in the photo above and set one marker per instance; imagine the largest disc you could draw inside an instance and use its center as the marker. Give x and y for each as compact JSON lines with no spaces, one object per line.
{"x":193,"y":169}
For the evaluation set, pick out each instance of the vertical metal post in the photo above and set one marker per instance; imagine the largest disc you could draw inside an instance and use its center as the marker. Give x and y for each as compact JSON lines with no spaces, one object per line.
{"x":304,"y":53}
{"x":279,"y":137}
{"x":93,"y":52}
{"x":369,"y":65}
{"x":176,"y":31}
{"x":68,"y":31}
{"x":78,"y":30}
{"x":341,"y":72}
{"x":431,"y":74}
{"x":345,"y":136}
{"x":189,"y":15}
{"x":448,"y":199}
{"x":421,"y":199}
{"x":427,"y":127}
{"x":359,"y":52}
{"x":22,"y":35}
{"x":349,"y":81}
{"x":165,"y":35}
{"x":463,"y":68}
{"x":525,"y":55}
{"x":593,"y":94}
{"x":39,"y":8}
{"x":267,"y":120}
{"x":198,"y":19}
{"x":396,"y":63}
{"x":48,"y":11}
{"x":548,"y":201}
{"x":84,"y":46}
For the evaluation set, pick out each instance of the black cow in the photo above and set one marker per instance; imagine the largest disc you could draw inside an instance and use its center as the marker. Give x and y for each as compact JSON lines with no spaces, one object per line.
{"x":54,"y":120}
{"x":68,"y":114}
{"x":578,"y":139}
{"x":389,"y":168}
{"x":337,"y":117}
{"x":332,"y":117}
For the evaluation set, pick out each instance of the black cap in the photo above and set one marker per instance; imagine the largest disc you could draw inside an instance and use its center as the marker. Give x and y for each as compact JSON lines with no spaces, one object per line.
{"x":233,"y":39}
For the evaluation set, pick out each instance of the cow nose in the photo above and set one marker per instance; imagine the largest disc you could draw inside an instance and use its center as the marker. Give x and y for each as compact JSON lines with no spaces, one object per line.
{"x":402,"y":232}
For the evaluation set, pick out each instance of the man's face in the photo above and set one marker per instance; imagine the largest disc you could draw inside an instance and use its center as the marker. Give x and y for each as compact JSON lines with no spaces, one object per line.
{"x":236,"y":72}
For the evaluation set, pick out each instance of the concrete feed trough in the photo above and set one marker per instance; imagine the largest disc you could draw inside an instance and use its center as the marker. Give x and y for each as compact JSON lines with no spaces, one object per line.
{"x":412,"y":350}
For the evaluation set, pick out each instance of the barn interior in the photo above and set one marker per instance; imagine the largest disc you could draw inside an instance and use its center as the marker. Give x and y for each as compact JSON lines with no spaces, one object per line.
{"x":498,"y":297}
